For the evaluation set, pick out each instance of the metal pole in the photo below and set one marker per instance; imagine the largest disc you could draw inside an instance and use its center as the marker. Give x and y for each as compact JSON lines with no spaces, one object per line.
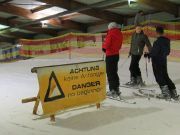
{"x":103,"y":57}
{"x":146,"y":67}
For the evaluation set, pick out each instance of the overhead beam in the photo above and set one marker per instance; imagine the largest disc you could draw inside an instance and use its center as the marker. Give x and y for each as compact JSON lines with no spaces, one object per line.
{"x":12,"y":36}
{"x":95,"y":12}
{"x":5,"y":1}
{"x":19,"y":35}
{"x":11,"y":9}
{"x":79,"y":9}
{"x":13,"y":23}
{"x":124,"y":3}
{"x":39,"y":30}
{"x":70,"y":16}
{"x":6,"y":39}
{"x":12,"y":18}
{"x":8,"y":8}
{"x":162,"y":5}
{"x":66,"y":23}
{"x":42,"y":7}
{"x":97,"y":23}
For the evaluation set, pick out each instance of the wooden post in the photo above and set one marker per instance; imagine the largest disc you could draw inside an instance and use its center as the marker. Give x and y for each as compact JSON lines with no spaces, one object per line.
{"x":26,"y":100}
{"x":70,"y":52}
{"x":36,"y":105}
{"x":98,"y":105}
{"x":52,"y":118}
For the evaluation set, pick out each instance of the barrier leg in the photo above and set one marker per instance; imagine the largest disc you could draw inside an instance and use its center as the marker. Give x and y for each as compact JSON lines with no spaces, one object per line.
{"x":98,"y":105}
{"x":70,"y":52}
{"x":52,"y":118}
{"x":27,"y":100}
{"x":36,"y":105}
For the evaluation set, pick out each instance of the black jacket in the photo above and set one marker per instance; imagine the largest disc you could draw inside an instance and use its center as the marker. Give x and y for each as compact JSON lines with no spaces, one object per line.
{"x":161,"y":49}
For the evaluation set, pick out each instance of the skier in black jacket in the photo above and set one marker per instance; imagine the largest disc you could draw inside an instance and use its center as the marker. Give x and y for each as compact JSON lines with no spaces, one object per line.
{"x":159,"y":53}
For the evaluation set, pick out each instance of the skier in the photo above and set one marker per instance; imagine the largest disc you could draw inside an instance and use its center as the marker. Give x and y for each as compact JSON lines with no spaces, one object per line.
{"x":111,"y":47}
{"x":159,"y":53}
{"x":139,"y":18}
{"x":138,"y":42}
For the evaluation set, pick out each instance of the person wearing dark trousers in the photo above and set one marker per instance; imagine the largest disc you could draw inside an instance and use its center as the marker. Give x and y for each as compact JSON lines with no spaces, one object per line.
{"x":134,"y":66}
{"x":111,"y":47}
{"x":138,"y":42}
{"x":159,"y":53}
{"x":112,"y":72}
{"x":139,"y":18}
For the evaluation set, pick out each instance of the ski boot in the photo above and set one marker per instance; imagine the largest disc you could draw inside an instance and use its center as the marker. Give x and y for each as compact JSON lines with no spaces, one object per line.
{"x":132,"y":82}
{"x":174,"y":95}
{"x":165,"y":93}
{"x":118,"y":93}
{"x":113,"y":93}
{"x":140,"y":82}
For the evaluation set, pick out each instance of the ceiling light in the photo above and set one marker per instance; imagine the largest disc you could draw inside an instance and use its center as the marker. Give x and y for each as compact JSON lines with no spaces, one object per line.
{"x":3,"y":26}
{"x":132,"y":3}
{"x":18,"y":45}
{"x":51,"y":11}
{"x":44,"y":23}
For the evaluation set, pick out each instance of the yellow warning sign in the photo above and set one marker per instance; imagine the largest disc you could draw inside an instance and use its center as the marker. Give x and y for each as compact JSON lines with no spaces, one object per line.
{"x":68,"y":86}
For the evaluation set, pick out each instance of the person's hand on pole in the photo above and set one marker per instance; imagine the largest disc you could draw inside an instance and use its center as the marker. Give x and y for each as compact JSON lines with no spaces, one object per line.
{"x":104,"y":50}
{"x":147,"y":55}
{"x":129,"y":55}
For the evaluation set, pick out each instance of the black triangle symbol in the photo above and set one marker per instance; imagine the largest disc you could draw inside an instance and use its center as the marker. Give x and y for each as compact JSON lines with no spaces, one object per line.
{"x":47,"y":98}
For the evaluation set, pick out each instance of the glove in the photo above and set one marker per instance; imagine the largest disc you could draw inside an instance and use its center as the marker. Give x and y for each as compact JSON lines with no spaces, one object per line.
{"x":129,"y":55}
{"x":104,"y":50}
{"x":147,"y":55}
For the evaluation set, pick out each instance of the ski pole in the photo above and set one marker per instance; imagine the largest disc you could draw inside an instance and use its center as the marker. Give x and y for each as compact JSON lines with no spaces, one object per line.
{"x":103,"y":57}
{"x":146,"y":67}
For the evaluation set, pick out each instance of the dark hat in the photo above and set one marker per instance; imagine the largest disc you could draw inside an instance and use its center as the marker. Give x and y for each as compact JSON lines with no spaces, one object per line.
{"x":160,"y":29}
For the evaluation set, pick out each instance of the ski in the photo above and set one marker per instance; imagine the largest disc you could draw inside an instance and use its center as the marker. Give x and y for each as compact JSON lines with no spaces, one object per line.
{"x":151,"y":93}
{"x":138,"y":88}
{"x":154,"y":95}
{"x":138,"y":94}
{"x":142,"y":94}
{"x":135,"y":86}
{"x":121,"y":100}
{"x":132,"y":87}
{"x":148,"y":94}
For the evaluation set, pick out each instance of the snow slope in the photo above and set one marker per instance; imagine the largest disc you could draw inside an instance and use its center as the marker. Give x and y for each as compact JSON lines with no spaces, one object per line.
{"x":154,"y":117}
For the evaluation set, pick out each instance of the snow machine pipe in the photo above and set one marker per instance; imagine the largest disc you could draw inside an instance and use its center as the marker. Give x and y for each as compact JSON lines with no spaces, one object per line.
{"x":96,"y":5}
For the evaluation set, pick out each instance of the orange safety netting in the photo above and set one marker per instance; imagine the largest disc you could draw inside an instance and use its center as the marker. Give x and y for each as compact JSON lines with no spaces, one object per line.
{"x":33,"y":48}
